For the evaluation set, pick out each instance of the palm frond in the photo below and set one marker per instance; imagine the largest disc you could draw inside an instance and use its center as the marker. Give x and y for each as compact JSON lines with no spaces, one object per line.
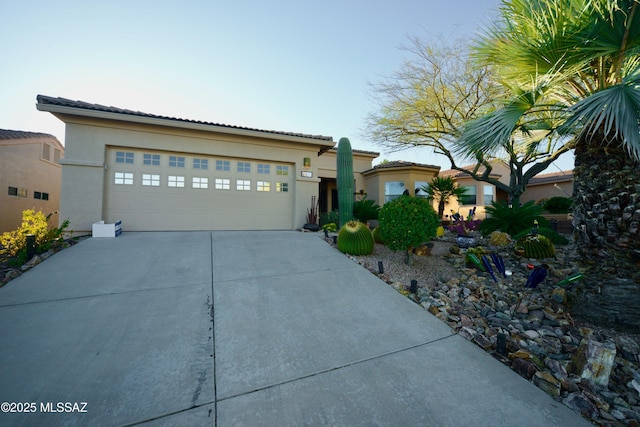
{"x":615,"y":110}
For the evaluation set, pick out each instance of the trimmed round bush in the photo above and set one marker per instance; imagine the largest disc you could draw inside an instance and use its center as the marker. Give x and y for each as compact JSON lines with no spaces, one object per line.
{"x":407,"y":222}
{"x":355,"y":238}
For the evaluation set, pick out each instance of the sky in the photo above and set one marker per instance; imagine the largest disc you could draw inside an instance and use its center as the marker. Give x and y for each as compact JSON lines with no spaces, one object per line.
{"x":285,"y":65}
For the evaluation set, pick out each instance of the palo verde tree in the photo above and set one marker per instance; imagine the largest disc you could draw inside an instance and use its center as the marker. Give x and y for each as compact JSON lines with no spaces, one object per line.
{"x":428,"y":101}
{"x":576,"y":62}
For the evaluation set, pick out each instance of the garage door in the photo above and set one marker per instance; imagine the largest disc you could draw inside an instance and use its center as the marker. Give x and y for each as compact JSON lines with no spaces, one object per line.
{"x":158,"y":191}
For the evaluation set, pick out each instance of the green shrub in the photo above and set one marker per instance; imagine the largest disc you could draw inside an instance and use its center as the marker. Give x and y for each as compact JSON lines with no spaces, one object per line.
{"x":365,"y":210}
{"x":558,"y":205}
{"x":330,"y":227}
{"x":555,"y":237}
{"x":355,"y":238}
{"x":376,"y":235}
{"x":13,"y":244}
{"x":329,"y":217}
{"x":536,"y":246}
{"x":511,"y":220}
{"x":407,"y":222}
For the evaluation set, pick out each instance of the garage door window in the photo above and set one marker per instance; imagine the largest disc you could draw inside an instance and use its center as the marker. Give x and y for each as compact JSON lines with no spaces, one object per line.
{"x":223,"y":165}
{"x":150,"y":180}
{"x":282,"y":170}
{"x":201,"y":164}
{"x":175,"y":181}
{"x":151,"y":159}
{"x":243,"y":185}
{"x":176,"y":162}
{"x":244,"y":167}
{"x":123,"y":178}
{"x":200,"y":182}
{"x":264,"y":169}
{"x":282,"y":187}
{"x":124,"y":157}
{"x":263,"y":186}
{"x":223,"y":184}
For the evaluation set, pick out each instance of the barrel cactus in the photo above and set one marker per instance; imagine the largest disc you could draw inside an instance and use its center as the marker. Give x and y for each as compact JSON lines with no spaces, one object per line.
{"x":355,"y":238}
{"x":536,"y":246}
{"x":344,"y":180}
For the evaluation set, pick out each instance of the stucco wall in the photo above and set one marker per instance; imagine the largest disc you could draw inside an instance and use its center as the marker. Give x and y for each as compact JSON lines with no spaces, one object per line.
{"x":22,"y":167}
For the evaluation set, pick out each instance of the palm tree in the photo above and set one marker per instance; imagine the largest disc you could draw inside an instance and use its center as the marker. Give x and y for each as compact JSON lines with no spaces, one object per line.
{"x":573,"y":67}
{"x":441,"y":189}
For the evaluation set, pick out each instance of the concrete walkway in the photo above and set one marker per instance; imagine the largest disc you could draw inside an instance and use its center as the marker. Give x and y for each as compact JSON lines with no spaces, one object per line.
{"x":240,"y":329}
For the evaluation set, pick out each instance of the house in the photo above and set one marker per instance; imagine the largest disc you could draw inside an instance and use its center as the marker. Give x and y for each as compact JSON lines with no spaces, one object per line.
{"x":548,"y":185}
{"x":157,"y":173}
{"x":30,"y":175}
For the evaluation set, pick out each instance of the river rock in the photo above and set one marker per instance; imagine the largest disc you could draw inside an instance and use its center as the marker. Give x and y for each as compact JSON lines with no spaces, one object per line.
{"x":581,"y":405}
{"x":547,"y":382}
{"x":593,"y":361}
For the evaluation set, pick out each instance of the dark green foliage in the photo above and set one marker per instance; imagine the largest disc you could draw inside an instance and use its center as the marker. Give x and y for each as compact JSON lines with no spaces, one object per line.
{"x":536,"y":246}
{"x":376,"y":235}
{"x":365,"y":210}
{"x":558,"y":205}
{"x":407,"y":222}
{"x":441,"y":189}
{"x":329,"y":217}
{"x":355,"y":238}
{"x":344,"y":180}
{"x":511,"y":220}
{"x":555,"y":237}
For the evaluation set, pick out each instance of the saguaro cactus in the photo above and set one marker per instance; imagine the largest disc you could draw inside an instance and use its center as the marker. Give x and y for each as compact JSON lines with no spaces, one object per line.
{"x":345,"y":180}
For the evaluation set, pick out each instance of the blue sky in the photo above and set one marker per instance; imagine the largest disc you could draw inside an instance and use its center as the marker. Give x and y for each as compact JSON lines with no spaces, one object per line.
{"x":295,"y":66}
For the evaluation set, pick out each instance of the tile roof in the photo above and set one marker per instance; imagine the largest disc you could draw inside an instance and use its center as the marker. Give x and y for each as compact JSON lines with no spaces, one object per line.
{"x":552,"y":177}
{"x":63,"y":102}
{"x":19,"y":134}
{"x":401,"y":164}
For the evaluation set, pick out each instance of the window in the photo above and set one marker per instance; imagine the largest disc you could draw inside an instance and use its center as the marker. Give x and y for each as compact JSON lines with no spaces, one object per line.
{"x":201,"y":164}
{"x":488,"y":195}
{"x":175,"y":181}
{"x":393,"y":190}
{"x":40,"y":195}
{"x":223,"y":165}
{"x":151,"y":180}
{"x":264,"y":169}
{"x":243,"y":185}
{"x":244,"y":167}
{"x":282,"y":187}
{"x":223,"y":184}
{"x":56,"y":155}
{"x":419,"y":190}
{"x":282,"y":170}
{"x":151,"y":159}
{"x":176,"y":162}
{"x":124,"y":157}
{"x":123,"y":178}
{"x":469,"y":197}
{"x":46,"y":151}
{"x":199,"y":182}
{"x":263,"y":186}
{"x":18,"y":192}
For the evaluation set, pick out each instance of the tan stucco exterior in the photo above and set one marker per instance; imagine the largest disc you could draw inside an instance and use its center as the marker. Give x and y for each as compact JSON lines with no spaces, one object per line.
{"x":412,"y":175}
{"x":28,"y":163}
{"x":92,"y":138}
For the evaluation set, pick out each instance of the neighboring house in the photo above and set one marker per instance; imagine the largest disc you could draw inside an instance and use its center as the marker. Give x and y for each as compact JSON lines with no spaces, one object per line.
{"x":30,"y":176}
{"x":548,"y":185}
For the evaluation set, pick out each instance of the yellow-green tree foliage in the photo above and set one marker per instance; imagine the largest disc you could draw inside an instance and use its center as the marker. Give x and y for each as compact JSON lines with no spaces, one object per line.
{"x":12,"y":242}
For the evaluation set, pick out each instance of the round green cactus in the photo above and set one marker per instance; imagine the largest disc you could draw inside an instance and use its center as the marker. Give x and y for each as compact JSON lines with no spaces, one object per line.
{"x":536,"y":246}
{"x":354,"y":238}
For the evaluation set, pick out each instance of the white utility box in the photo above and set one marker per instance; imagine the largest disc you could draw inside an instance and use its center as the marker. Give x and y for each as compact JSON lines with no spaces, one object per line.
{"x":100,"y":229}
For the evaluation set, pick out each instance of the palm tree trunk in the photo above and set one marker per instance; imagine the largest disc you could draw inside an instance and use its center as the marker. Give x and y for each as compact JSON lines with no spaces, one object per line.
{"x":606,"y":197}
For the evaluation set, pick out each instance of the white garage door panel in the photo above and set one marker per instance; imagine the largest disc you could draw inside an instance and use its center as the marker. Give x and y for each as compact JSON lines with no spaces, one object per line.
{"x":154,"y":208}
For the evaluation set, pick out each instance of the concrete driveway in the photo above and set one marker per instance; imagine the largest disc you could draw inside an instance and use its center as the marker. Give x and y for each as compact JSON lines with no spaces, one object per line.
{"x":239,"y":329}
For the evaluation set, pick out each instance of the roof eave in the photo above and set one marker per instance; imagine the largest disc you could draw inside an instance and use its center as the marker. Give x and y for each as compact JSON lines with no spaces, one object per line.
{"x":60,"y":111}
